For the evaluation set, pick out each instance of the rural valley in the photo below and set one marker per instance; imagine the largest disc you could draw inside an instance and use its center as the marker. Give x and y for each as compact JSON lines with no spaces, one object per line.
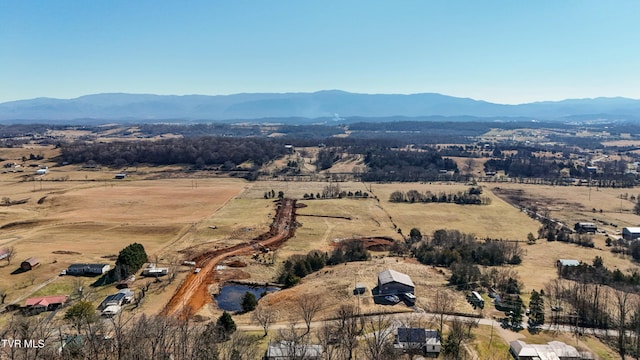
{"x":334,"y":247}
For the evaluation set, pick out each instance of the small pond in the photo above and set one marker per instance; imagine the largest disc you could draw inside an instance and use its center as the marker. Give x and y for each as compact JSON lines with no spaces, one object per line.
{"x":230,"y":296}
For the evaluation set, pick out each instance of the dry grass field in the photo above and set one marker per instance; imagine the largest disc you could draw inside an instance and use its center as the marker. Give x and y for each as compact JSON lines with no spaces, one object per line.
{"x":92,"y":220}
{"x":499,"y":220}
{"x":571,"y":204}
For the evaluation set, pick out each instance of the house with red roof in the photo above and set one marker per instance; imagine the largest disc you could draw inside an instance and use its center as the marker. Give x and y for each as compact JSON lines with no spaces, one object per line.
{"x":45,"y":303}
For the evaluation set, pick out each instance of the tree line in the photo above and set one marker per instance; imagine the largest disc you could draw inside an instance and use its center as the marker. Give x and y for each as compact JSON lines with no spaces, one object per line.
{"x":198,"y":151}
{"x":298,"y":266}
{"x":468,"y":197}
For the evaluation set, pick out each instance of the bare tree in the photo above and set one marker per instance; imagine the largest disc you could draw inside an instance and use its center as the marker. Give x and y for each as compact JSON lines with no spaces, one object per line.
{"x":308,"y":306}
{"x":3,"y":295}
{"x":379,"y":334}
{"x":622,"y":311}
{"x":327,"y":335}
{"x":348,"y":330}
{"x":265,"y":316}
{"x":11,"y":253}
{"x":459,"y":334}
{"x":441,"y":304}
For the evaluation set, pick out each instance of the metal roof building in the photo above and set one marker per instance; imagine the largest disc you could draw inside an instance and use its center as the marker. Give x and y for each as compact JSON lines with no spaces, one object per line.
{"x":393,"y":282}
{"x":553,"y":350}
{"x":631,"y":233}
{"x":87,"y":269}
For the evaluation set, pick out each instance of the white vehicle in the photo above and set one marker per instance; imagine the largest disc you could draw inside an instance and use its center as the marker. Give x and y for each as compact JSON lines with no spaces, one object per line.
{"x":111,"y":310}
{"x":197,"y":270}
{"x":410,"y":297}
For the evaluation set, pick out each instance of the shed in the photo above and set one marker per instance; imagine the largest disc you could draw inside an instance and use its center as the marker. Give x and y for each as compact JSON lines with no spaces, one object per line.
{"x":631,"y":233}
{"x":124,"y":284}
{"x":120,"y":176}
{"x":567,"y":262}
{"x":359,"y":289}
{"x":4,"y":253}
{"x":393,"y":282}
{"x":87,"y":269}
{"x":29,"y":263}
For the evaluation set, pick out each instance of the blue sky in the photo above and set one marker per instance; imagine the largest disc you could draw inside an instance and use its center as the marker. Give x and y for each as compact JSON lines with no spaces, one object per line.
{"x":499,"y":51}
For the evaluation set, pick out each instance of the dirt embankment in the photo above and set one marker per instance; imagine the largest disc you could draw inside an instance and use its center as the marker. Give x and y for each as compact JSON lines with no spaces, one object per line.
{"x":193,"y":293}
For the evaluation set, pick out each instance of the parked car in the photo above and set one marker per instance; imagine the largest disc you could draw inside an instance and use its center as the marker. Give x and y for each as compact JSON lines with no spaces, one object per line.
{"x":197,"y":270}
{"x":410,"y":297}
{"x":392,"y":298}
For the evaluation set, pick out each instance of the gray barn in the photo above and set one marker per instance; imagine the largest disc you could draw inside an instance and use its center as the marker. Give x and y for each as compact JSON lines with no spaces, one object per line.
{"x":631,"y":233}
{"x":393,"y":282}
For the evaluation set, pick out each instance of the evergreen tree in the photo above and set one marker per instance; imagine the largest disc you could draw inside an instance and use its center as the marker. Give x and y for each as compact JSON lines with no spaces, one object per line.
{"x":225,"y":326}
{"x":536,"y":308}
{"x":249,"y":302}
{"x":131,"y":259}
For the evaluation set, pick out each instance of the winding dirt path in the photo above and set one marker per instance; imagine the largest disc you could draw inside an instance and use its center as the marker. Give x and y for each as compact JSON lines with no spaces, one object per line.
{"x":193,"y":293}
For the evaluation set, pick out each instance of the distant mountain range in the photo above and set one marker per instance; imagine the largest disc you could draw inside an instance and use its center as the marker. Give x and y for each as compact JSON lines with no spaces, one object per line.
{"x":331,"y":105}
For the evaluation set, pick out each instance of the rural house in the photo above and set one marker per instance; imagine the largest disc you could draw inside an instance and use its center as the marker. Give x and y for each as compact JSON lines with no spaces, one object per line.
{"x":418,"y":340}
{"x":87,"y":269}
{"x":585,"y":227}
{"x":29,"y":264}
{"x":45,"y":303}
{"x":567,"y":262}
{"x":552,"y":350}
{"x":631,"y":233}
{"x":284,"y":350}
{"x":393,"y":282}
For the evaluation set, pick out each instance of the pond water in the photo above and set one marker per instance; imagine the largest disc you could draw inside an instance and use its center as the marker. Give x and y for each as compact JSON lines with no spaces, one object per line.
{"x":230,"y":296}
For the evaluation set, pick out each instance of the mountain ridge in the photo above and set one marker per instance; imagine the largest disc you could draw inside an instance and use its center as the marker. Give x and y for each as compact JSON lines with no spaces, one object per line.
{"x":320,"y":104}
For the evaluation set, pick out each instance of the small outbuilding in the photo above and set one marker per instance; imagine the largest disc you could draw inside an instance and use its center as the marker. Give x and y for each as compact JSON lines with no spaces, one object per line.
{"x":631,"y":233}
{"x":567,"y":262}
{"x":29,"y":263}
{"x":393,"y":282}
{"x":120,"y":176}
{"x":359,"y":289}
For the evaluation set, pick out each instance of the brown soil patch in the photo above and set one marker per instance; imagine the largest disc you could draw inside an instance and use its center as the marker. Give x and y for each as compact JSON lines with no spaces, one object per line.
{"x":373,"y":243}
{"x":236,"y":263}
{"x":65,"y":252}
{"x":193,"y":293}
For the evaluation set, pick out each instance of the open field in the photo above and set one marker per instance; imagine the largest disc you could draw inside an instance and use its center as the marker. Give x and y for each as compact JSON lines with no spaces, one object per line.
{"x":93,"y":221}
{"x":571,"y":204}
{"x":495,"y":220}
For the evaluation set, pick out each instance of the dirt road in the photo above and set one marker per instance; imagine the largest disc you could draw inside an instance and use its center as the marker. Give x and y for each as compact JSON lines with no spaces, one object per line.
{"x":193,"y":293}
